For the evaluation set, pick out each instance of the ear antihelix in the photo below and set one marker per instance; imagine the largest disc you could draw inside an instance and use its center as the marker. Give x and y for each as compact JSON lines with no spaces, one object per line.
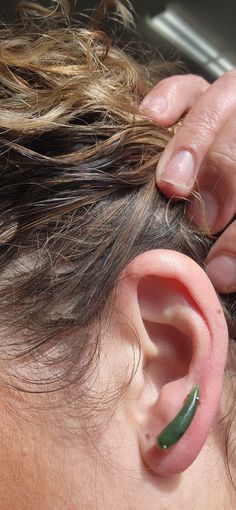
{"x":178,"y":426}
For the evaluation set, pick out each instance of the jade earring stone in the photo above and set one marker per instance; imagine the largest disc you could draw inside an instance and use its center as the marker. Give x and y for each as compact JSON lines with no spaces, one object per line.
{"x":178,"y":426}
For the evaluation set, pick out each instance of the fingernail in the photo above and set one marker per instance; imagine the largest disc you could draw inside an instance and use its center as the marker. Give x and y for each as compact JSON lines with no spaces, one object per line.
{"x":180,"y":171}
{"x":222,"y":272}
{"x":156,"y":106}
{"x":203,"y":211}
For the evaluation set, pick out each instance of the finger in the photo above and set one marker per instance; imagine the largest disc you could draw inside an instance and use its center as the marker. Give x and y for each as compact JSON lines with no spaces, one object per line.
{"x":221,"y":261}
{"x":180,"y":163}
{"x":217,"y":182}
{"x":172,"y":97}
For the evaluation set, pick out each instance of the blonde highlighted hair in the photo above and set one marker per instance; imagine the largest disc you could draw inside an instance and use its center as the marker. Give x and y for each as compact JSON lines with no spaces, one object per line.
{"x":78,"y":199}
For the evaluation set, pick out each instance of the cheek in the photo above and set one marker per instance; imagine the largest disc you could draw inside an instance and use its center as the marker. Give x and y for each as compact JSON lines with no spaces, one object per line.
{"x":24,"y":483}
{"x":119,"y":443}
{"x":30,"y":468}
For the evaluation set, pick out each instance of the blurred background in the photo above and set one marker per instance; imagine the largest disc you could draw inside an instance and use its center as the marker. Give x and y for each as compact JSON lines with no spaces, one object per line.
{"x":201,"y":33}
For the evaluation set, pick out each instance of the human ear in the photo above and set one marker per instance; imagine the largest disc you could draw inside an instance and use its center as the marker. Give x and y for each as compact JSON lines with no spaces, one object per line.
{"x":183,"y":339}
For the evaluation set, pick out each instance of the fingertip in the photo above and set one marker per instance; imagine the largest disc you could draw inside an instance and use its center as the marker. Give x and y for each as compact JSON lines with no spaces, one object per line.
{"x":154,"y":107}
{"x":176,"y":176}
{"x":222,"y":272}
{"x":170,"y":189}
{"x":161,"y":111}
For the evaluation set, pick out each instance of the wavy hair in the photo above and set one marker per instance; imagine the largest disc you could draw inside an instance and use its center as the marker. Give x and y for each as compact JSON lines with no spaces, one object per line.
{"x":78,"y":199}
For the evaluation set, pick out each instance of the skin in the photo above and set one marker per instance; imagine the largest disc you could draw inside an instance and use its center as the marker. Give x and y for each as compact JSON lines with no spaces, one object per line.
{"x":108,"y":459}
{"x":56,"y":459}
{"x":208,"y":133}
{"x":38,"y":472}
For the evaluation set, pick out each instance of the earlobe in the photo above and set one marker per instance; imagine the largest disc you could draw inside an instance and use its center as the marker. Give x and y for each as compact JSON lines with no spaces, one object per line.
{"x":178,"y":313}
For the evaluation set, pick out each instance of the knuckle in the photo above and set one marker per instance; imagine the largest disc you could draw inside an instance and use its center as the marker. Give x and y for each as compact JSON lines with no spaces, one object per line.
{"x":199,"y":82}
{"x":203,"y":121}
{"x":196,"y":81}
{"x":222,"y":158}
{"x":172,"y":79}
{"x":199,"y":124}
{"x":229,"y":76}
{"x":190,"y":82}
{"x":228,"y":239}
{"x":169,"y":83}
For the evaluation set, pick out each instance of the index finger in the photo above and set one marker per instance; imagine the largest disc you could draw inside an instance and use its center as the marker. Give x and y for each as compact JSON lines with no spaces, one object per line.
{"x":172,"y":97}
{"x":179,"y":165}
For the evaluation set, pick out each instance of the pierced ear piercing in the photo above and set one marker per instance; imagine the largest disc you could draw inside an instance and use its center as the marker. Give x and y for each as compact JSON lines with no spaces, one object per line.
{"x":178,"y":426}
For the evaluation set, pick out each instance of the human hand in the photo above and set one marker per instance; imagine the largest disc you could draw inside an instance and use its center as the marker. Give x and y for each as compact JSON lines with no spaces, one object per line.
{"x":202,"y":157}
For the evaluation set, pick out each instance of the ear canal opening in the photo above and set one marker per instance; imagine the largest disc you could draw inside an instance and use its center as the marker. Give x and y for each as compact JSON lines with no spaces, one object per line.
{"x":174,"y":353}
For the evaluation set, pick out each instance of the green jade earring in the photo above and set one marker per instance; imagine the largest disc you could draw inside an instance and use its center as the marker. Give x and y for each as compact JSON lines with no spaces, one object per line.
{"x":178,"y":426}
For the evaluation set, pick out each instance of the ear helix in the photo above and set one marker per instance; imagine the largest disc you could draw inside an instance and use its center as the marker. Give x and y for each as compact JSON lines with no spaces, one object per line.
{"x":178,"y":426}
